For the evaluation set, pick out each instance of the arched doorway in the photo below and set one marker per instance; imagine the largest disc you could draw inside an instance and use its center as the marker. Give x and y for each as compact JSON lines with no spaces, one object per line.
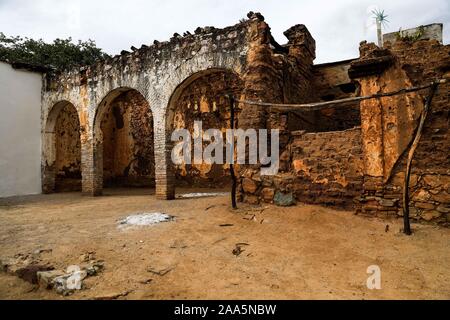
{"x":62,"y":148}
{"x":124,"y":140}
{"x":203,"y":97}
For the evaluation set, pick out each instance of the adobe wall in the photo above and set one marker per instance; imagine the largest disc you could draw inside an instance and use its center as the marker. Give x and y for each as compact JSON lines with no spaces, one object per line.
{"x":322,"y":168}
{"x":68,"y":150}
{"x":162,"y":73}
{"x":128,"y":146}
{"x":205,"y":99}
{"x":354,"y":155}
{"x":156,"y":72}
{"x":389,"y":125}
{"x":337,"y":156}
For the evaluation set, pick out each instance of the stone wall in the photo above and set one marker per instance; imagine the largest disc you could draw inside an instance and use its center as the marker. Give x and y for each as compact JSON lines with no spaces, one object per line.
{"x":325,"y":161}
{"x":68,"y":150}
{"x":156,"y":72}
{"x":386,"y":140}
{"x":128,"y":152}
{"x":329,"y":156}
{"x":314,"y":167}
{"x":324,"y":168}
{"x":425,"y":61}
{"x":278,"y":74}
{"x":205,"y":99}
{"x":331,"y":82}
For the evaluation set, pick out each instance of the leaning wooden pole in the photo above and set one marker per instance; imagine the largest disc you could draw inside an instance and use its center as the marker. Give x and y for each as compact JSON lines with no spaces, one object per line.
{"x":233,"y":175}
{"x":423,"y":117}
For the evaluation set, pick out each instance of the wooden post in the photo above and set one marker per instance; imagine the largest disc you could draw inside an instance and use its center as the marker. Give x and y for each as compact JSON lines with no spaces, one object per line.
{"x":423,"y":116}
{"x":233,"y":175}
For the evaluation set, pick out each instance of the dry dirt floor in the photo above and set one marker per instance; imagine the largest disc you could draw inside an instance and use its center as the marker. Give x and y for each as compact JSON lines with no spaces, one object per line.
{"x":301,"y":252}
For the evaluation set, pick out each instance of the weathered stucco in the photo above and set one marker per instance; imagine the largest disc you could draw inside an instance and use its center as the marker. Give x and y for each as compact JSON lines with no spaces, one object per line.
{"x":205,"y":99}
{"x":155,"y":72}
{"x":127,"y":140}
{"x":68,"y":150}
{"x":350,"y":154}
{"x":389,"y":124}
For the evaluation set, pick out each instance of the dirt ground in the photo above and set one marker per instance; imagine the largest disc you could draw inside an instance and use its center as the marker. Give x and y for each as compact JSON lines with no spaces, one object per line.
{"x":302,"y":252}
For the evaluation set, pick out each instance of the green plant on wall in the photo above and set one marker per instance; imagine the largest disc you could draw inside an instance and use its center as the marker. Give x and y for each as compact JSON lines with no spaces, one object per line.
{"x":401,"y":35}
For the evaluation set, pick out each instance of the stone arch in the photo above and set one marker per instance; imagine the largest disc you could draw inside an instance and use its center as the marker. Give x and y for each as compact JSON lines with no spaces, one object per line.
{"x":200,"y":96}
{"x":61,"y":169}
{"x":123,"y":141}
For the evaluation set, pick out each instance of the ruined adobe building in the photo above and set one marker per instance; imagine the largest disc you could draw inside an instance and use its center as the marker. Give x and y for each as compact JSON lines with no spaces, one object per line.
{"x":110,"y":123}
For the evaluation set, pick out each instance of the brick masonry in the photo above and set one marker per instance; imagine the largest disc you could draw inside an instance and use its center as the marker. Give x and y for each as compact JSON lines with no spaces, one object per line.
{"x":323,"y":168}
{"x":352,"y":155}
{"x":389,"y":125}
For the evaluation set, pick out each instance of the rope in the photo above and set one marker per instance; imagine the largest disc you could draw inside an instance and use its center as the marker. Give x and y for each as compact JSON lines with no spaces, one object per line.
{"x":326,"y":104}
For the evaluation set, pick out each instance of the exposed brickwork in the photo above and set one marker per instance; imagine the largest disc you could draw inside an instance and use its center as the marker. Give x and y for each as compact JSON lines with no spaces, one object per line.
{"x":331,"y":81}
{"x":61,"y":170}
{"x":415,"y":63}
{"x":354,"y":153}
{"x":205,"y":99}
{"x":324,"y":168}
{"x":68,"y":150}
{"x":156,"y":72}
{"x":127,"y":130}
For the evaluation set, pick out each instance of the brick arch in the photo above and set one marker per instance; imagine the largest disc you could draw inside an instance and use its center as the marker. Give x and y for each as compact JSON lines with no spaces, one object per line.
{"x":166,"y":171}
{"x":49,"y":143}
{"x":156,"y":72}
{"x":189,"y":80}
{"x":102,"y":150}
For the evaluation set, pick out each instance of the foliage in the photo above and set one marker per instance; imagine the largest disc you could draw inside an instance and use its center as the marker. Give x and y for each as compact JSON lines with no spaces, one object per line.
{"x":413,"y":37}
{"x":62,"y":54}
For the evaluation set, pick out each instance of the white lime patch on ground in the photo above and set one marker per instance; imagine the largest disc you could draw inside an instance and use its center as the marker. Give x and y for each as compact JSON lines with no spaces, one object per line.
{"x":202,"y":194}
{"x":144,"y":219}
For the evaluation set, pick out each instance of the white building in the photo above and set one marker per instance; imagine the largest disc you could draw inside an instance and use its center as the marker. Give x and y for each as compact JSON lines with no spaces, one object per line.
{"x":20,"y":131}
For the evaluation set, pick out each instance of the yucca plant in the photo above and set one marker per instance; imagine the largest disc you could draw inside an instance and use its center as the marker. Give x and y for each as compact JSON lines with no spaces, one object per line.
{"x":381,"y":20}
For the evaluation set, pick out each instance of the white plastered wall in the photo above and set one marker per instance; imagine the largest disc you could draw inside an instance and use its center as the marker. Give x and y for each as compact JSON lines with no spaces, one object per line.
{"x":20,"y":131}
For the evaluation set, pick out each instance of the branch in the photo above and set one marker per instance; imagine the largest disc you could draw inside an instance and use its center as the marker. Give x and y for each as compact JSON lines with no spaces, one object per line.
{"x":328,"y":104}
{"x":423,"y":117}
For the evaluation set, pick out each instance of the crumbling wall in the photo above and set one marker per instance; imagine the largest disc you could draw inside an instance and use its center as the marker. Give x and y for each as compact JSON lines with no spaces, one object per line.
{"x":331,"y":82}
{"x":156,"y":71}
{"x":128,"y":146}
{"x":278,"y":74}
{"x":315,"y":166}
{"x":324,"y":168}
{"x":296,"y":80}
{"x":205,"y":99}
{"x":263,"y":78}
{"x":68,"y":150}
{"x":282,"y":74}
{"x":425,"y":61}
{"x":389,"y":125}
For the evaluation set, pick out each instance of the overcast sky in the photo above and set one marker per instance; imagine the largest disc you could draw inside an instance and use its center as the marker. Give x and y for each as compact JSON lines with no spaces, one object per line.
{"x":338,"y":26}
